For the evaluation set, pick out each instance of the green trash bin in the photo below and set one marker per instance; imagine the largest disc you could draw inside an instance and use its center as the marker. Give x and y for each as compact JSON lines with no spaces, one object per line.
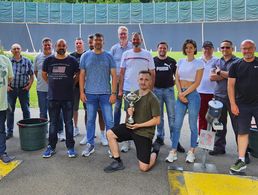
{"x":253,"y":142}
{"x":32,"y":133}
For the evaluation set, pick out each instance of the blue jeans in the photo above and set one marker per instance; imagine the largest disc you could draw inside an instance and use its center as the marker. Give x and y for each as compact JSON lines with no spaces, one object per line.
{"x":167,"y":96}
{"x":24,"y":99}
{"x":2,"y":132}
{"x":55,"y":108}
{"x":93,"y":102}
{"x":43,"y":104}
{"x":117,"y":111}
{"x":193,"y":106}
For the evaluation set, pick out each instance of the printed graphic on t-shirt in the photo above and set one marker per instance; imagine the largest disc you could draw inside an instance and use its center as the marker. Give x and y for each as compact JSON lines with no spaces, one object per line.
{"x":58,"y":72}
{"x":166,"y":67}
{"x":3,"y":73}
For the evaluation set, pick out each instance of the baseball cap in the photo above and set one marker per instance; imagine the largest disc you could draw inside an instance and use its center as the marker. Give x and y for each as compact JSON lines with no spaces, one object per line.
{"x":207,"y":44}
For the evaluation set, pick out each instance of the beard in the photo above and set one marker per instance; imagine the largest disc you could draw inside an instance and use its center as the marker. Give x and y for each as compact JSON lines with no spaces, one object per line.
{"x":61,"y":51}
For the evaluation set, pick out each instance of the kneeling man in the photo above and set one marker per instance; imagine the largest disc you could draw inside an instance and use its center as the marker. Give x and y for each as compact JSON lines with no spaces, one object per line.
{"x":146,"y":114}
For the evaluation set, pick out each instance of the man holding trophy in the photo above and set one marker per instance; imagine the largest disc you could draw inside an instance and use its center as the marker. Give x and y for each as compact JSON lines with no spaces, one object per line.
{"x":144,"y":115}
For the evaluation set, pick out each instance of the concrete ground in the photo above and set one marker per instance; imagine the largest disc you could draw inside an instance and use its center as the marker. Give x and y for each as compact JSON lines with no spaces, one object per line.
{"x":61,"y":175}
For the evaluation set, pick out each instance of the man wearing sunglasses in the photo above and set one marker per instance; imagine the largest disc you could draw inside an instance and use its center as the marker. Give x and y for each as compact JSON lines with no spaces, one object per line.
{"x":220,"y":74}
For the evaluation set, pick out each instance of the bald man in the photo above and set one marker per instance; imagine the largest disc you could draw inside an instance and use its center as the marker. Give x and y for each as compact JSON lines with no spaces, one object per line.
{"x":243,"y":96}
{"x":60,"y":71}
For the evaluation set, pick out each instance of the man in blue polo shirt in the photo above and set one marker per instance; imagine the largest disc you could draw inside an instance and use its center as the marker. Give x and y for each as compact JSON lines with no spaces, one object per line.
{"x":19,"y":87}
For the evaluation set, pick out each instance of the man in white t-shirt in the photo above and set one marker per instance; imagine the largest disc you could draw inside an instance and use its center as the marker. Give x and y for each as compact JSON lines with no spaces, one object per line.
{"x":133,"y":61}
{"x":206,"y":87}
{"x":6,"y":75}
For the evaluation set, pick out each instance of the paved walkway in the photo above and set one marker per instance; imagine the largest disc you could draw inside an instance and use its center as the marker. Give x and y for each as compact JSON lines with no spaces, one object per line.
{"x":61,"y":175}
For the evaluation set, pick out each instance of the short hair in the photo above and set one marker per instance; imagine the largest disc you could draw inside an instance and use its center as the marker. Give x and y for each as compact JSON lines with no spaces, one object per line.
{"x":189,"y":41}
{"x":120,"y":28}
{"x":90,"y":36}
{"x":46,"y":39}
{"x":162,"y":43}
{"x":98,"y":35}
{"x":61,"y":40}
{"x":227,"y":41}
{"x":248,"y":41}
{"x":144,"y":72}
{"x":136,"y":33}
{"x":78,"y":39}
{"x":16,"y":45}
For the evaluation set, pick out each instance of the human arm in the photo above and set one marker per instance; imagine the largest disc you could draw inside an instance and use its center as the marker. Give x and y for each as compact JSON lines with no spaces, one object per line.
{"x":179,"y":88}
{"x":121,"y":82}
{"x":45,"y":76}
{"x":82,"y":77}
{"x":152,"y":122}
{"x":112,"y":98}
{"x":231,"y":96}
{"x":153,"y":75}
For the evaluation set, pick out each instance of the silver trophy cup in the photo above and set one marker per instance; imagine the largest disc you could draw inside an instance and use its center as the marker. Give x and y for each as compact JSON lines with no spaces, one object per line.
{"x":131,"y":98}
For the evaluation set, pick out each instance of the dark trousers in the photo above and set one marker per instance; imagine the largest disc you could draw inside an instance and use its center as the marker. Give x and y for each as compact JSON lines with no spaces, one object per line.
{"x":24,"y":99}
{"x":220,"y":140}
{"x":2,"y":132}
{"x":55,"y":108}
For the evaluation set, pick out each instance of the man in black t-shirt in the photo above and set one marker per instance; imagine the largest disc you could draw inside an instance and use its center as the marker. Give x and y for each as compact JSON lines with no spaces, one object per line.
{"x":59,"y":71}
{"x":79,"y":50}
{"x":165,"y":69}
{"x":243,"y":96}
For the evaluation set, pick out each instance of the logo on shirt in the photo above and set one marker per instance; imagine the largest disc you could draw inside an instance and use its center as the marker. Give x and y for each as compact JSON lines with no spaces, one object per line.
{"x":166,"y":67}
{"x":59,"y":69}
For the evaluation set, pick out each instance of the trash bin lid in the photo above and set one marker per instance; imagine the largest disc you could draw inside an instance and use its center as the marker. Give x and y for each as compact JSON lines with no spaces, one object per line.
{"x":215,"y":104}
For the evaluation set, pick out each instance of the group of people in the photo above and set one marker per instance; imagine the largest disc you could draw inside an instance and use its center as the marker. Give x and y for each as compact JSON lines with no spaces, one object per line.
{"x":100,"y":78}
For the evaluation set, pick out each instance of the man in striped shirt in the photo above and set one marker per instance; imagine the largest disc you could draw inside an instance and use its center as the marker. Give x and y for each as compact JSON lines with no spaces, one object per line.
{"x":19,"y":87}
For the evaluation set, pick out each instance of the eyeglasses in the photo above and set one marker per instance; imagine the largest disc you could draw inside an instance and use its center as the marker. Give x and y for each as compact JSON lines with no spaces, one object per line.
{"x":225,"y":47}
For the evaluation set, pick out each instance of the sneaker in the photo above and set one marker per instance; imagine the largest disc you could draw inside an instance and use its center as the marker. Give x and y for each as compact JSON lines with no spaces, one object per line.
{"x":103,"y":139}
{"x":159,"y":141}
{"x":126,"y":146}
{"x":89,"y":149}
{"x":6,"y":159}
{"x":49,"y":152}
{"x":180,"y":148}
{"x":9,"y":135}
{"x":76,"y":131}
{"x":61,"y":136}
{"x":247,"y":158}
{"x":114,"y":166}
{"x":172,"y":156}
{"x":190,"y":157}
{"x":84,"y":141}
{"x":71,"y":153}
{"x":216,"y":152}
{"x":110,"y":154}
{"x":238,"y":166}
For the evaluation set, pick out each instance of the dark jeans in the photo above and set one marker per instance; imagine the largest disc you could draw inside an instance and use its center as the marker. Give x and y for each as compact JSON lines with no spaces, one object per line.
{"x":2,"y":132}
{"x":24,"y":99}
{"x":55,"y":108}
{"x":220,"y":140}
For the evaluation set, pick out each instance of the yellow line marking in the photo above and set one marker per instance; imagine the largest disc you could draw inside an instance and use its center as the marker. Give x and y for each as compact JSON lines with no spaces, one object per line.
{"x":192,"y":183}
{"x":5,"y":169}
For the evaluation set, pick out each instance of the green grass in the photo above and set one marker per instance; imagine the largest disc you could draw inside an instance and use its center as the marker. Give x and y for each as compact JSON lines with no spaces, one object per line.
{"x":175,"y":55}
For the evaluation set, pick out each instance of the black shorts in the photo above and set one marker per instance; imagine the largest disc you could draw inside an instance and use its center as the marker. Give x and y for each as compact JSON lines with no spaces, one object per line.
{"x":246,"y":112}
{"x":143,"y":144}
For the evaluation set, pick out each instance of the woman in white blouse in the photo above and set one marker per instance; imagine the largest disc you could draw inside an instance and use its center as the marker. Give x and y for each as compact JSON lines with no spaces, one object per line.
{"x":188,"y":77}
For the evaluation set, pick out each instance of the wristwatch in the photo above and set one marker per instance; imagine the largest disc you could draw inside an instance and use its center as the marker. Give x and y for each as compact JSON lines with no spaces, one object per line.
{"x":218,"y":73}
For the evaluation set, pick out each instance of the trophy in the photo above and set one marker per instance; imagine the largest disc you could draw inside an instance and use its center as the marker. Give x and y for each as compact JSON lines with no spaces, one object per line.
{"x":131,"y":98}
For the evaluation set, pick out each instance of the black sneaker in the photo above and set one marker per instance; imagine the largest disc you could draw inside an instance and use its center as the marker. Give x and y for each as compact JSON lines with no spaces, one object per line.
{"x":247,"y":158}
{"x":180,"y":148}
{"x":159,"y":141}
{"x":216,"y":152}
{"x":9,"y":135}
{"x":6,"y":159}
{"x":114,"y":166}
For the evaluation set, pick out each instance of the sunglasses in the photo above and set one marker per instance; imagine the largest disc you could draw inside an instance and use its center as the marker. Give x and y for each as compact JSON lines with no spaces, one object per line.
{"x":224,"y":47}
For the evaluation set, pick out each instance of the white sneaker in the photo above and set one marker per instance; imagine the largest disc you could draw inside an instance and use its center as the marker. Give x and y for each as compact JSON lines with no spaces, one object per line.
{"x":61,"y":136}
{"x":103,"y":139}
{"x":172,"y":156}
{"x":76,"y":131}
{"x":84,"y":140}
{"x":126,"y":146}
{"x":190,"y":157}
